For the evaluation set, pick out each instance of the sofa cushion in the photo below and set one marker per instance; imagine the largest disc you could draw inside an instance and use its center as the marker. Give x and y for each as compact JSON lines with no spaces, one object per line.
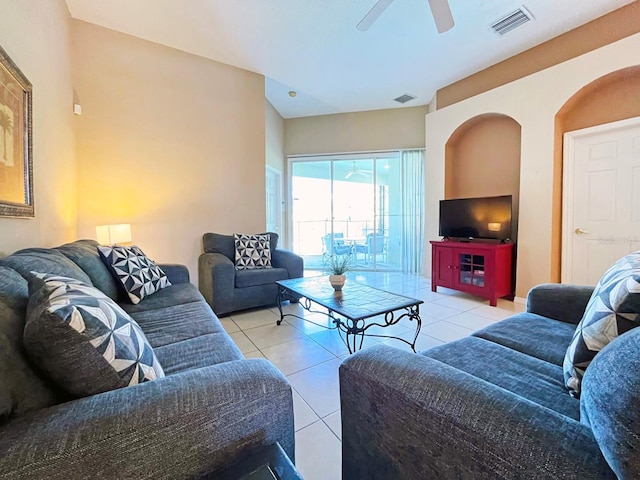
{"x":47,"y":261}
{"x":524,"y":375}
{"x":533,"y":335}
{"x":177,"y":323}
{"x":198,"y":352}
{"x":253,"y":278}
{"x":225,"y":244}
{"x":85,"y":254}
{"x":614,"y":308}
{"x":252,"y":251}
{"x":609,"y":403}
{"x":178,"y":294}
{"x":136,"y":273}
{"x":22,"y":387}
{"x":83,"y":340}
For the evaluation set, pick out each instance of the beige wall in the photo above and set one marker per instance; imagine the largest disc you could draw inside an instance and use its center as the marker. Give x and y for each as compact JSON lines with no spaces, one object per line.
{"x":533,"y":102}
{"x":389,"y":129}
{"x":274,"y":125}
{"x":170,"y":142}
{"x":35,"y":34}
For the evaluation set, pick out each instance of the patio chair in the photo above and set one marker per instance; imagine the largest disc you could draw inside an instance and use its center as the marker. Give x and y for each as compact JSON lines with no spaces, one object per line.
{"x":376,"y":245}
{"x":339,"y":247}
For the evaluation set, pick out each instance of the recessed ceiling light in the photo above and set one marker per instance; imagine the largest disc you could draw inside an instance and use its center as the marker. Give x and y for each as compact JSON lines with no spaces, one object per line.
{"x":292,"y":93}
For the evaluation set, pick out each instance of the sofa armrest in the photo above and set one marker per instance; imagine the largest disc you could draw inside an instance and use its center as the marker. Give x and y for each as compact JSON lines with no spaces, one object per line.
{"x":181,"y":426}
{"x":175,"y":272}
{"x":563,"y":302}
{"x":216,"y":280}
{"x":293,"y":263}
{"x":409,"y":416}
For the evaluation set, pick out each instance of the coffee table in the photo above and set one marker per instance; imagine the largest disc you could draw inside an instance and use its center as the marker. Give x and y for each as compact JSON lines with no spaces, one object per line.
{"x":352,"y":310}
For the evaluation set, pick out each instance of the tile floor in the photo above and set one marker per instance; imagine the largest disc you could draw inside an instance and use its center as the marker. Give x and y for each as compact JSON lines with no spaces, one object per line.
{"x":309,"y":355}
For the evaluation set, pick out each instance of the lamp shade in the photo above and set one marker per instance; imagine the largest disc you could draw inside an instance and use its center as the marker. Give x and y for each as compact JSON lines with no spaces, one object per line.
{"x":113,"y":234}
{"x":494,"y":226}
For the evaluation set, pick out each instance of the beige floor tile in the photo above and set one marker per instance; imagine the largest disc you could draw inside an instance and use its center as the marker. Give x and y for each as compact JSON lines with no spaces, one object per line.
{"x":332,"y":340}
{"x":426,"y":295}
{"x":254,"y":354}
{"x":254,"y":318}
{"x":318,"y":453}
{"x":272,"y":334}
{"x":503,"y":310}
{"x":244,"y":344}
{"x":229,"y":325}
{"x":433,"y":311}
{"x":447,"y":332}
{"x":296,"y":355}
{"x":319,"y":387}
{"x":459,"y":303}
{"x":470,"y":320}
{"x":311,"y":323}
{"x":333,"y":421}
{"x":302,"y":414}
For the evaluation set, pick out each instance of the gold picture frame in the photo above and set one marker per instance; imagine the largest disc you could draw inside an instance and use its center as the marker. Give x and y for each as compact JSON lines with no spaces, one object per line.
{"x":16,"y":148}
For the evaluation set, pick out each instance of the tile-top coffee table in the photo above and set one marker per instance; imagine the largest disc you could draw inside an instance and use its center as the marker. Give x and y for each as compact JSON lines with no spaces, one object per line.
{"x":357,"y":303}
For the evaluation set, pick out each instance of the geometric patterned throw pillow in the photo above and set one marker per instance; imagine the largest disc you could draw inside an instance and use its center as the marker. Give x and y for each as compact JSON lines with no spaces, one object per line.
{"x":83,"y":340}
{"x":613,"y":309}
{"x":252,"y":251}
{"x":139,"y":276}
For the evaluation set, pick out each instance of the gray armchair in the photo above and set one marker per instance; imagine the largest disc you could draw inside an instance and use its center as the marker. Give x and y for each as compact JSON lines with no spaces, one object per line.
{"x":227,"y":289}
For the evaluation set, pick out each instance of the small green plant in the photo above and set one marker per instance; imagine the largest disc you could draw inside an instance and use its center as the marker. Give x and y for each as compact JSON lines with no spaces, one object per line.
{"x":337,"y":264}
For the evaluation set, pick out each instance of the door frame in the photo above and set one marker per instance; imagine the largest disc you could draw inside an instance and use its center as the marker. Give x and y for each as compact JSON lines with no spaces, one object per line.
{"x":279,"y":204}
{"x":568,"y":172}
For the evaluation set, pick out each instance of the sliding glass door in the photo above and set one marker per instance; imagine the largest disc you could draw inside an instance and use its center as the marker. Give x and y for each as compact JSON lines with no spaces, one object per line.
{"x":348,"y":204}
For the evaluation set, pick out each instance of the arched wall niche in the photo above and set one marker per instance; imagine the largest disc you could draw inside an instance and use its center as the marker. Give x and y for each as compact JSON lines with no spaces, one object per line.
{"x":482,"y":159}
{"x":610,"y":98}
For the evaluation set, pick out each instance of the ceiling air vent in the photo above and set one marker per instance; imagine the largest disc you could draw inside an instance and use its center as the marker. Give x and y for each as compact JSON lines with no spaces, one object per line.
{"x":511,"y":21}
{"x":405,"y":98}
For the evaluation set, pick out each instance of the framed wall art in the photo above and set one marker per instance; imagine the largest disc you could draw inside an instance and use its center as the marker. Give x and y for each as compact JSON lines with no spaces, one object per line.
{"x":16,"y":163}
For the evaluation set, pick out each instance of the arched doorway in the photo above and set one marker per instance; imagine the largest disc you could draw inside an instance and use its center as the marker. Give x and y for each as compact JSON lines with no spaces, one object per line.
{"x":610,"y":98}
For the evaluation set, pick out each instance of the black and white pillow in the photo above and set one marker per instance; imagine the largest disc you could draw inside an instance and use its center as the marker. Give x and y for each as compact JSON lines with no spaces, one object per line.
{"x":83,"y":340}
{"x":252,"y":251}
{"x":138,"y":275}
{"x":612,"y":310}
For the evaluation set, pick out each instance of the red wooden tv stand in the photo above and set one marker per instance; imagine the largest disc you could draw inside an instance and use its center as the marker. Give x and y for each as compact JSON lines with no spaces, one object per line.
{"x":483,"y":269}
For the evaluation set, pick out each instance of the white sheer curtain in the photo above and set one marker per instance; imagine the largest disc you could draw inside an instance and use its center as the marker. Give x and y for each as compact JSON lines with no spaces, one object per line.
{"x":412,"y":162}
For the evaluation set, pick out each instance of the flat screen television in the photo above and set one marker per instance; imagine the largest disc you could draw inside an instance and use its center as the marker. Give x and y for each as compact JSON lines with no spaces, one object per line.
{"x":470,"y":218}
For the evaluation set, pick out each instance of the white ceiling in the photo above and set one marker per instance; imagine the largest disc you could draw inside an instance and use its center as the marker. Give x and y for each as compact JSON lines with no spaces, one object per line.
{"x":313,"y":47}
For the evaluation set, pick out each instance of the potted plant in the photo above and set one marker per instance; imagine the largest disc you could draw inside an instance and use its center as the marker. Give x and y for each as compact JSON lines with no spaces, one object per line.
{"x":337,"y":266}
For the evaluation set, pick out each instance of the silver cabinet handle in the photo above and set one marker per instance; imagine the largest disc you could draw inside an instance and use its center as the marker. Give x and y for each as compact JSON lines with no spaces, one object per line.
{"x":579,"y":231}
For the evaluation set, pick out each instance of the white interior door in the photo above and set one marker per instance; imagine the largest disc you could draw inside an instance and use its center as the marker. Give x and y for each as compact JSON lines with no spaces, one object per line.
{"x":274,"y":201}
{"x":601,"y":200}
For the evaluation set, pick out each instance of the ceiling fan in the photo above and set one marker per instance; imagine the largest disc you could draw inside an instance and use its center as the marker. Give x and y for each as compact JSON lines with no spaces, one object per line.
{"x":357,"y":171}
{"x":439,"y":9}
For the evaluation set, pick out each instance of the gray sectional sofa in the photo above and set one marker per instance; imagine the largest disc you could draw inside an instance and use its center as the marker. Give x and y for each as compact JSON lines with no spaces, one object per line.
{"x":494,"y":405}
{"x":228,"y":290}
{"x":211,"y":409}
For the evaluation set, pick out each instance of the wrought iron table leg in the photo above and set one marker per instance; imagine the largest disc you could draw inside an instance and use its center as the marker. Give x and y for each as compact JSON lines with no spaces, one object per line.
{"x":414,"y":314}
{"x":279,"y":303}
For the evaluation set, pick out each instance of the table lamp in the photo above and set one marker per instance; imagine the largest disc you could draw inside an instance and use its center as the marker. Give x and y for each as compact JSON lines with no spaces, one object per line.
{"x":113,"y":234}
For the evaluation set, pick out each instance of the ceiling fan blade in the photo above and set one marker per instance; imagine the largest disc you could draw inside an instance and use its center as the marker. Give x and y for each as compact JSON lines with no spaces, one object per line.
{"x":372,"y":16}
{"x":441,"y":15}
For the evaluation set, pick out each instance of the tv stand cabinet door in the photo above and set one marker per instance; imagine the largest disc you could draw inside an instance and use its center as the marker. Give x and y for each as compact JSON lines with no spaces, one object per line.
{"x":442,"y":268}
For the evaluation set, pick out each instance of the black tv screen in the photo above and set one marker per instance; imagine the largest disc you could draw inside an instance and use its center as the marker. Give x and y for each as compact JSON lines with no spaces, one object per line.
{"x":485,"y":217}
